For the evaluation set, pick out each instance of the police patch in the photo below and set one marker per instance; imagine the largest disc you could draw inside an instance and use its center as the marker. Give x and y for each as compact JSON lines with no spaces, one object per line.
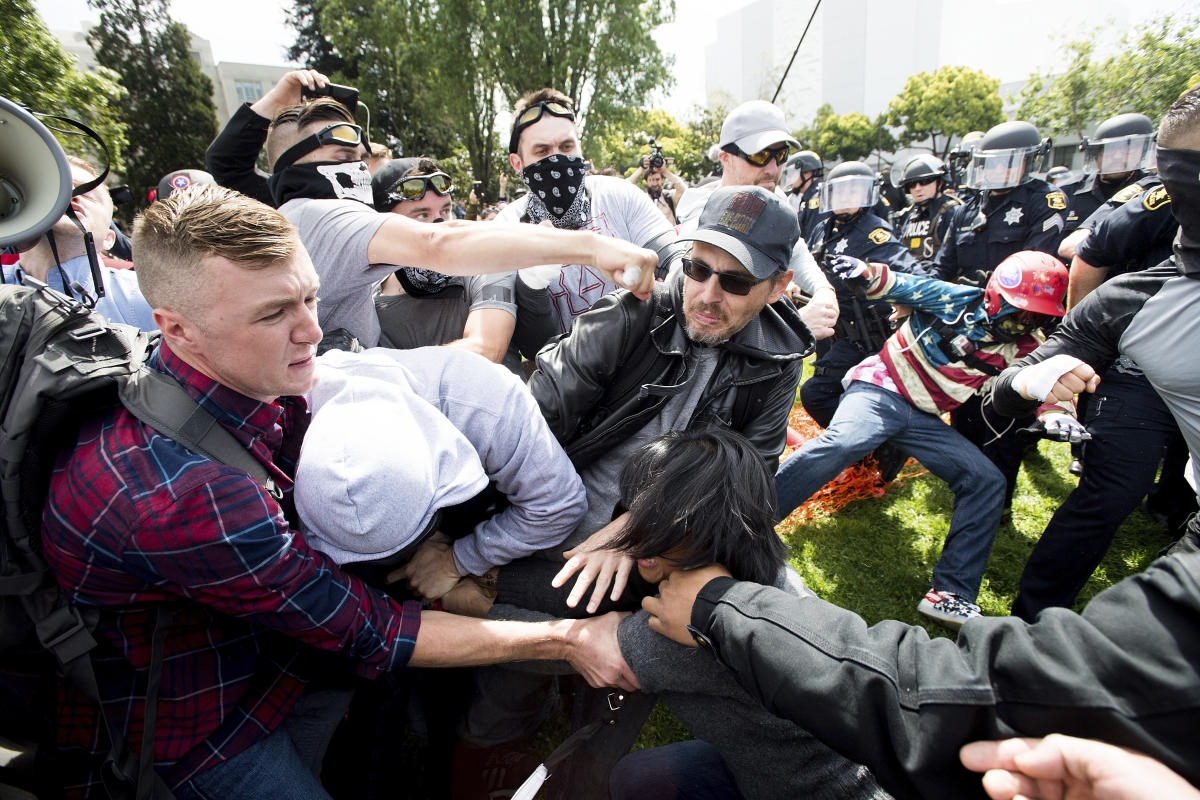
{"x":1008,"y":276}
{"x":1056,"y":200}
{"x":1156,"y":198}
{"x":814,"y":203}
{"x":1125,"y":195}
{"x":879,"y":236}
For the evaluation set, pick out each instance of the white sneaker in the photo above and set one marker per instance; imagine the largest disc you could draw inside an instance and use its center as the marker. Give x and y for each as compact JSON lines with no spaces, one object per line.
{"x":947,"y":608}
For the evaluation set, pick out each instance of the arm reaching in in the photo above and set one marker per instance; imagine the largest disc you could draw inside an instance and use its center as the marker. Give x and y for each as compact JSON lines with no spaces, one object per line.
{"x":596,"y":564}
{"x":1066,"y":768}
{"x":671,"y":612}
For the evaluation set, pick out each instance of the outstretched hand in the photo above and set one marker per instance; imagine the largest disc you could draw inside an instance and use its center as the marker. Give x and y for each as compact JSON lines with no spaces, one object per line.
{"x":595,"y":653}
{"x":849,"y":267}
{"x":1059,"y":426}
{"x":671,"y":612}
{"x":288,"y":91}
{"x":1067,"y":768}
{"x":596,"y":564}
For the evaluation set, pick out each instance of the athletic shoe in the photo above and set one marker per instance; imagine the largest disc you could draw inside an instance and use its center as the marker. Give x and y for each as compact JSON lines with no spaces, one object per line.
{"x":947,"y":608}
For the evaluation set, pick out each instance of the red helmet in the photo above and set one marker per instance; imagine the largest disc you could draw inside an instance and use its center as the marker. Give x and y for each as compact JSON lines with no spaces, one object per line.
{"x":1030,"y":281}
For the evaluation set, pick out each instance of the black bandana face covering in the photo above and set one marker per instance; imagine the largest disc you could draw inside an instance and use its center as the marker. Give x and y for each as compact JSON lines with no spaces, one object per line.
{"x":1180,"y":173}
{"x":323,"y":180}
{"x":556,"y":183}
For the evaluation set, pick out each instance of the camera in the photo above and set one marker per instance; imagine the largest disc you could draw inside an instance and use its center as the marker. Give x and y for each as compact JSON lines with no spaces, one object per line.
{"x":961,"y":347}
{"x":656,"y":156}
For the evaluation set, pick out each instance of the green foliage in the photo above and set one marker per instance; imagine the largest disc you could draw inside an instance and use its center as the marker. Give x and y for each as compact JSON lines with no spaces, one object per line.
{"x":626,"y":138}
{"x":169,"y":112}
{"x":37,"y":72}
{"x":435,"y":73}
{"x":845,"y":137}
{"x":1152,"y":66}
{"x":943,"y":104}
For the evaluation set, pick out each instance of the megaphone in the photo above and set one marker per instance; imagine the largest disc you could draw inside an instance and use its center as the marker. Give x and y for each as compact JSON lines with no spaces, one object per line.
{"x":35,"y":179}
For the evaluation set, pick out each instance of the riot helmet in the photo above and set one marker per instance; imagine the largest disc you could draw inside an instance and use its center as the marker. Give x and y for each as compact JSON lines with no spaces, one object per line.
{"x":796,"y":166}
{"x":1121,"y":144}
{"x":1006,"y":156}
{"x":920,"y":169}
{"x":849,"y":186}
{"x":1060,"y":175}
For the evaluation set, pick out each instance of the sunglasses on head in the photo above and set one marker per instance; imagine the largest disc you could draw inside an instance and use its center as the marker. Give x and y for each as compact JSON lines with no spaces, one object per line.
{"x":762,"y":157}
{"x":343,"y":133}
{"x":414,"y":187}
{"x":729,"y":283}
{"x":533,"y":114}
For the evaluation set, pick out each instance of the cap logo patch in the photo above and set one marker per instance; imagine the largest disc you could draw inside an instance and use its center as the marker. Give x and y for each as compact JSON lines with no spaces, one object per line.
{"x":742,"y":212}
{"x":181,"y":181}
{"x":1008,"y":276}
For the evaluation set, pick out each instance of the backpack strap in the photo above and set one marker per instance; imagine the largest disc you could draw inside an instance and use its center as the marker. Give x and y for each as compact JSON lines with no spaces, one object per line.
{"x":165,"y":406}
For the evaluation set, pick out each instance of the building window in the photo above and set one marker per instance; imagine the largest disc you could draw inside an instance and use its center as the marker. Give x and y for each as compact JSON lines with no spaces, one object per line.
{"x":248,"y":91}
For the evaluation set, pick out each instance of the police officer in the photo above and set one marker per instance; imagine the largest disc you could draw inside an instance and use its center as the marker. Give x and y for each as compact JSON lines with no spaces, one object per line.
{"x":847,"y":226}
{"x":1132,"y":428}
{"x":1117,"y":155}
{"x":923,"y":224}
{"x":808,"y":204}
{"x":802,"y":177}
{"x":1010,"y":211}
{"x":959,"y":158}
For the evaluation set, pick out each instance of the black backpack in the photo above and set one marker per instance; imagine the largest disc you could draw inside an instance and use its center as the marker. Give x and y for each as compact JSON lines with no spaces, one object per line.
{"x":61,"y":364}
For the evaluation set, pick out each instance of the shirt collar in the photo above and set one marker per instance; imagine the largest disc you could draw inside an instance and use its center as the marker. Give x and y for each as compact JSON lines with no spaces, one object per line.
{"x":255,"y":424}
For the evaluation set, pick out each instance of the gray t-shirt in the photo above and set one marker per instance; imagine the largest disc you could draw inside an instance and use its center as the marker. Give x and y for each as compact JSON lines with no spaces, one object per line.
{"x":600,"y":477}
{"x":336,"y":234}
{"x":407,"y":321}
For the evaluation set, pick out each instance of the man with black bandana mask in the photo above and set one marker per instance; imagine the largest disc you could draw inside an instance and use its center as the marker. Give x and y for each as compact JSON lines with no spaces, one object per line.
{"x":544,"y":150}
{"x":419,"y":307}
{"x":322,"y":186}
{"x":1149,"y":316}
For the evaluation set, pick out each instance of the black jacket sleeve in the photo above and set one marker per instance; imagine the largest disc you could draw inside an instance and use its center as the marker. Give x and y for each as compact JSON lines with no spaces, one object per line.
{"x":231,"y":156}
{"x":890,"y":697}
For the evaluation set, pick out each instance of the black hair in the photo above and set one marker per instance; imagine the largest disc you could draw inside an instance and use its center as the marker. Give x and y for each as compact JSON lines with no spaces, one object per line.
{"x":707,"y":493}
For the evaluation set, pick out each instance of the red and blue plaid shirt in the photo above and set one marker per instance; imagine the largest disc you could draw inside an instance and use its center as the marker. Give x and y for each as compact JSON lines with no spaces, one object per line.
{"x":134,"y":520}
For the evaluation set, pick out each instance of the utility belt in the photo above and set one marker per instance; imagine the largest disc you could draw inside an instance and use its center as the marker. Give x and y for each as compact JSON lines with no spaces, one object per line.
{"x":865,"y":324}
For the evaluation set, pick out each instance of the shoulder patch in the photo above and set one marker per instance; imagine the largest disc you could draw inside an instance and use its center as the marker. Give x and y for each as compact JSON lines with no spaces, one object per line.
{"x":1056,"y":200}
{"x":1156,"y":198}
{"x":814,"y":203}
{"x":1125,"y":195}
{"x":879,"y":236}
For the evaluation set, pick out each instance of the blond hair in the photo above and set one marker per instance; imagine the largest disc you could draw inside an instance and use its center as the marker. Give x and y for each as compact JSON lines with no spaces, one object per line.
{"x":173,"y":237}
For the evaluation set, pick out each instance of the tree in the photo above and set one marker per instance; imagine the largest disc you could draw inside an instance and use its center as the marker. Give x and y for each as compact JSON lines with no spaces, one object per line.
{"x":37,"y":72}
{"x":312,"y":48}
{"x":1151,"y":66}
{"x":169,"y":112}
{"x":627,"y":138}
{"x":845,"y":137}
{"x":948,"y":102}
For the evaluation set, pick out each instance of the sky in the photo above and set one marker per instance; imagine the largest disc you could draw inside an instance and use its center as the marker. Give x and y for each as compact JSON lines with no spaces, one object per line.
{"x":1005,"y":38}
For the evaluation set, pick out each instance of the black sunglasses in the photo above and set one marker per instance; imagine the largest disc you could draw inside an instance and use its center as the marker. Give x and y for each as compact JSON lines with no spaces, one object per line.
{"x":343,"y":133}
{"x":762,"y":157}
{"x":920,"y":182}
{"x":414,"y":186}
{"x":730,"y":283}
{"x":533,"y":114}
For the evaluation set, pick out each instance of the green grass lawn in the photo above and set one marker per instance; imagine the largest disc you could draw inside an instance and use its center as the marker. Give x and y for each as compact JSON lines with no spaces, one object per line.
{"x":875,"y":556}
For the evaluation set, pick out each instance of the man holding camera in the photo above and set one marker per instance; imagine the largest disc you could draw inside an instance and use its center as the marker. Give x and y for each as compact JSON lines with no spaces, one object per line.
{"x":655,"y":171}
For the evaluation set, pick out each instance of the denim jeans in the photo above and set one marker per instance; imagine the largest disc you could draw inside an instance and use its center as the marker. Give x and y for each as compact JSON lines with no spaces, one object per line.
{"x":285,"y":765}
{"x":868,"y":416}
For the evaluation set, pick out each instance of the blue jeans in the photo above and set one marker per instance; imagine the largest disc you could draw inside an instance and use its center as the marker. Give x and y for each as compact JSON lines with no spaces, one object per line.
{"x":867,"y":417}
{"x":283,"y":766}
{"x":691,"y":770}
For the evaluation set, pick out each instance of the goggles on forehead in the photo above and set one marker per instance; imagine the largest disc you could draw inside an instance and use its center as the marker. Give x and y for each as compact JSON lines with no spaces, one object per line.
{"x":533,"y":114}
{"x":732,"y":284}
{"x":762,"y":157}
{"x":343,"y":133}
{"x":414,"y":187}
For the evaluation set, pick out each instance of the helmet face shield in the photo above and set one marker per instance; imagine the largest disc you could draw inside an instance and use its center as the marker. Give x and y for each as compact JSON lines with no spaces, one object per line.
{"x":1002,"y":169}
{"x":849,"y":193}
{"x":1119,"y":154}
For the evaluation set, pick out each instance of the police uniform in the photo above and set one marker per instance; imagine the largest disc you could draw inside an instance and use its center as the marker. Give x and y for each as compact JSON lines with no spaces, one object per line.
{"x":985,"y":230}
{"x":1132,"y":428}
{"x":990,"y":227}
{"x":1089,"y":193}
{"x":862,"y":326}
{"x":810,"y":210}
{"x":922,"y":227}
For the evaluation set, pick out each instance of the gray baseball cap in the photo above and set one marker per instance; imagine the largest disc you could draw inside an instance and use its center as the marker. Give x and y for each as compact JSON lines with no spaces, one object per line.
{"x":752,"y":225}
{"x":755,"y":125}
